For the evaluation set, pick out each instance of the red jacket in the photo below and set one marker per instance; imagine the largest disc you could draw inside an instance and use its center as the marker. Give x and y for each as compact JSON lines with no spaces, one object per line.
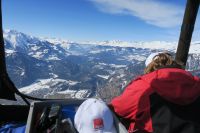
{"x":175,"y":85}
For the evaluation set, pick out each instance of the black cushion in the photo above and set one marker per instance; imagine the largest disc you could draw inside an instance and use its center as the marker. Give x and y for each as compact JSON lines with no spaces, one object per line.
{"x":168,"y":117}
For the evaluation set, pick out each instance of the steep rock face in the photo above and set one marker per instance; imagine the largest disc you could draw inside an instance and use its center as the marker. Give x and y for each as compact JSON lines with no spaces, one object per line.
{"x":79,"y":69}
{"x":193,"y":62}
{"x":118,"y":81}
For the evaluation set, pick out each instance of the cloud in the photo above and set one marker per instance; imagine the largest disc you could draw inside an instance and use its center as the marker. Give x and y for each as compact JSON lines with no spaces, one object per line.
{"x":151,"y":11}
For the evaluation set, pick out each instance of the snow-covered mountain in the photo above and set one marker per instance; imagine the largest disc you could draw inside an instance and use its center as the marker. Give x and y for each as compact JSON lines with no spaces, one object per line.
{"x":50,"y":67}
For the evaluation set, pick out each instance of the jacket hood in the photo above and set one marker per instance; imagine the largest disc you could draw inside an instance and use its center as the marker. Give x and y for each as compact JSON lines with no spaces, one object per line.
{"x":175,"y":85}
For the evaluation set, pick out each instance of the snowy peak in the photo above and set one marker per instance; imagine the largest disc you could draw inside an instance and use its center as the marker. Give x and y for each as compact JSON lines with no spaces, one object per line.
{"x":18,"y":39}
{"x":29,"y":45}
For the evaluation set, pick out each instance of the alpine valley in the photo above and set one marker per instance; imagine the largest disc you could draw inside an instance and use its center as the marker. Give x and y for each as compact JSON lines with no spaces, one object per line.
{"x":56,"y":68}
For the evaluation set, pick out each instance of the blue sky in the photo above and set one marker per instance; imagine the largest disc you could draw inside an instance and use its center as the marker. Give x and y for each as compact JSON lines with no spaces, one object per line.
{"x":97,"y":20}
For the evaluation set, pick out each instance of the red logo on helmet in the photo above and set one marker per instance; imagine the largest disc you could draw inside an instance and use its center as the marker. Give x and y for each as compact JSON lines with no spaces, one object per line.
{"x":98,"y":123}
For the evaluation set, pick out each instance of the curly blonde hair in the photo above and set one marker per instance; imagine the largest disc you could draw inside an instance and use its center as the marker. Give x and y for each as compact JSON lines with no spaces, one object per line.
{"x":160,"y":61}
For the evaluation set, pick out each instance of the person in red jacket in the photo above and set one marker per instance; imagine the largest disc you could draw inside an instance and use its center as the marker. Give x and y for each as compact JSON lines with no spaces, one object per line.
{"x":163,"y":76}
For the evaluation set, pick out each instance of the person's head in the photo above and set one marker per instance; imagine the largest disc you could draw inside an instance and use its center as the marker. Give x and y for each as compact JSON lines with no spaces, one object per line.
{"x":159,"y":60}
{"x":94,"y":116}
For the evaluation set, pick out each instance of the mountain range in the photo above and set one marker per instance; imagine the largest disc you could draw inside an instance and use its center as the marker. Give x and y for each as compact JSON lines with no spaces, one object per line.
{"x":56,"y":68}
